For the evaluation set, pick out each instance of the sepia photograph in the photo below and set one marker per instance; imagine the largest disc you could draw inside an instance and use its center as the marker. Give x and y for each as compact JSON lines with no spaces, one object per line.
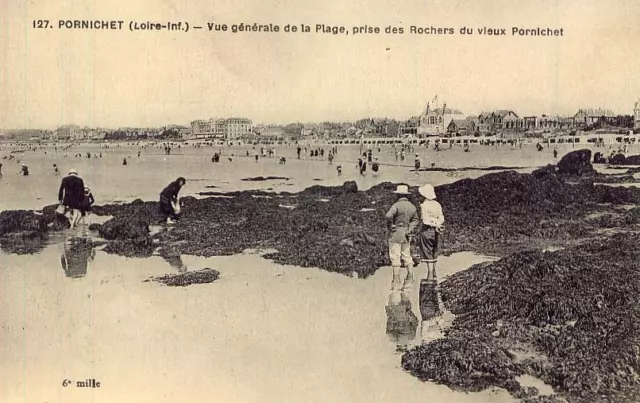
{"x":296,"y":201}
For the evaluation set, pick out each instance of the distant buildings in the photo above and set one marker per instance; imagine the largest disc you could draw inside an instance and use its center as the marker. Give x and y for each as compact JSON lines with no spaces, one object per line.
{"x":67,"y":132}
{"x":500,"y":120}
{"x":435,"y":121}
{"x":462,"y":126}
{"x":545,"y":122}
{"x":224,"y":128}
{"x":590,"y":116}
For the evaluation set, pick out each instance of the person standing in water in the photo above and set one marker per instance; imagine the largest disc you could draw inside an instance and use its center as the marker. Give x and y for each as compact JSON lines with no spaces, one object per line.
{"x":85,"y":206}
{"x":416,"y":163}
{"x":402,"y":219}
{"x":71,"y":195}
{"x":375,"y":166}
{"x":25,"y":170}
{"x":0,"y":169}
{"x":56,"y":170}
{"x":169,"y":207}
{"x":432,"y":225}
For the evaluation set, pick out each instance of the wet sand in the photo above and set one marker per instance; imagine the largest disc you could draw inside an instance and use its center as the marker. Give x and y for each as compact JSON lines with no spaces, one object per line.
{"x":261,"y":333}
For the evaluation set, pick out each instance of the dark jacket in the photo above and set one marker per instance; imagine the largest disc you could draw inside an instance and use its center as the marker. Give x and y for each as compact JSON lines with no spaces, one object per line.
{"x":170,"y":193}
{"x":87,"y":202}
{"x":71,"y":191}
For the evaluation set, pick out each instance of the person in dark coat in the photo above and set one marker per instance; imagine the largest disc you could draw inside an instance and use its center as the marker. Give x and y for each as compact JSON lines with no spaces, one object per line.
{"x":169,"y":200}
{"x":87,"y":202}
{"x":71,"y":195}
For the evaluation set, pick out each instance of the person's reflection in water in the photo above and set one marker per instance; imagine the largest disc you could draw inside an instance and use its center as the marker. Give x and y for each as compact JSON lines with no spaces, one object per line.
{"x":402,"y":323}
{"x":77,"y":254}
{"x":176,"y":261}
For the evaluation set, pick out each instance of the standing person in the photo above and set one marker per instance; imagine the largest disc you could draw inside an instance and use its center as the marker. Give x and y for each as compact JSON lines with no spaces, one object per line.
{"x":330,"y":158}
{"x":0,"y":169}
{"x":25,"y":170}
{"x":363,"y":167}
{"x":169,"y":206}
{"x":339,"y":170}
{"x":375,"y":166}
{"x":56,"y":170}
{"x":416,"y":163}
{"x":432,"y":226}
{"x":299,"y":150}
{"x":402,"y":219}
{"x":555,"y":152}
{"x":85,"y":206}
{"x":71,"y":195}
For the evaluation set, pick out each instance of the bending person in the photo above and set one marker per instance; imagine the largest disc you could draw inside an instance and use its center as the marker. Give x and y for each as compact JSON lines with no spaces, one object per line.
{"x":169,"y":207}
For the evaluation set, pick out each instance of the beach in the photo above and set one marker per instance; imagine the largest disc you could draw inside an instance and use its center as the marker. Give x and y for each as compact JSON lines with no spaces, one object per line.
{"x":285,"y":320}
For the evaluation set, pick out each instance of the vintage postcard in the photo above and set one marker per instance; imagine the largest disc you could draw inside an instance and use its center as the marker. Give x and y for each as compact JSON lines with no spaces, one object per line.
{"x":296,"y":201}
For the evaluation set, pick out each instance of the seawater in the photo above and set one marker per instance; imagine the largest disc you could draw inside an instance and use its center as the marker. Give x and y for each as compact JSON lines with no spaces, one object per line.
{"x":145,"y":176}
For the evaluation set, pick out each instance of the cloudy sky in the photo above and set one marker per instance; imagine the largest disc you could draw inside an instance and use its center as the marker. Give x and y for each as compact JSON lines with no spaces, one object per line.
{"x":50,"y":77}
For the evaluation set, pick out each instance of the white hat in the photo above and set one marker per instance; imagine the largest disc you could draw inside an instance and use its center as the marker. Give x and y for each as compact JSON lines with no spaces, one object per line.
{"x":402,"y":190}
{"x":73,"y":171}
{"x":428,"y":191}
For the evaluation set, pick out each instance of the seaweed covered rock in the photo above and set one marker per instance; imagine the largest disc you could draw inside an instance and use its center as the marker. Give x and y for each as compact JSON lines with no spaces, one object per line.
{"x":633,"y":160}
{"x":350,"y":187}
{"x":576,"y":163}
{"x":469,"y":364}
{"x":265,"y":178}
{"x":203,"y":276}
{"x":22,"y":221}
{"x":576,"y":307}
{"x":618,"y":159}
{"x":599,"y":158}
{"x":506,"y":211}
{"x":124,"y":229}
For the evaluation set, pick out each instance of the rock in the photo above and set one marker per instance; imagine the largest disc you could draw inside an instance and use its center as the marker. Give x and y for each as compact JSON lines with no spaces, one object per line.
{"x":598,"y":158}
{"x":576,"y":163}
{"x":137,"y":202}
{"x":633,"y":160}
{"x":124,"y":229}
{"x":265,"y":178}
{"x":20,"y":221}
{"x":95,"y":227}
{"x":350,"y":187}
{"x":187,"y":201}
{"x":618,"y":159}
{"x":560,"y":302}
{"x":188,"y":278}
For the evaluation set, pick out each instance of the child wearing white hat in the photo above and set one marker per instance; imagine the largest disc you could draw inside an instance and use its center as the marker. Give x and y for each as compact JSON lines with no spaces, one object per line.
{"x":432,"y":225}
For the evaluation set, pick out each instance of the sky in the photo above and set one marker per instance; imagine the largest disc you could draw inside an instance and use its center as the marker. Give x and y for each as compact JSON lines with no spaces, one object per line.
{"x":98,"y":78}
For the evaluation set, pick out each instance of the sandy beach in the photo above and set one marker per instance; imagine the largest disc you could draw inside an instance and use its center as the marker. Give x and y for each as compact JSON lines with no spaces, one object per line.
{"x":272,"y":326}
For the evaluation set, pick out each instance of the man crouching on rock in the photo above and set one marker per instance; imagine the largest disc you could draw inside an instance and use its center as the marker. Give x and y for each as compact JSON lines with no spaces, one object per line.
{"x":169,"y":206}
{"x":402,"y":219}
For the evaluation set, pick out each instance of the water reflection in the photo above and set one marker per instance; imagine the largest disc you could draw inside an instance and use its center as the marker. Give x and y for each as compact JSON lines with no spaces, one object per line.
{"x":430,"y":309}
{"x":176,"y":261}
{"x":402,"y":323}
{"x":77,"y":253}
